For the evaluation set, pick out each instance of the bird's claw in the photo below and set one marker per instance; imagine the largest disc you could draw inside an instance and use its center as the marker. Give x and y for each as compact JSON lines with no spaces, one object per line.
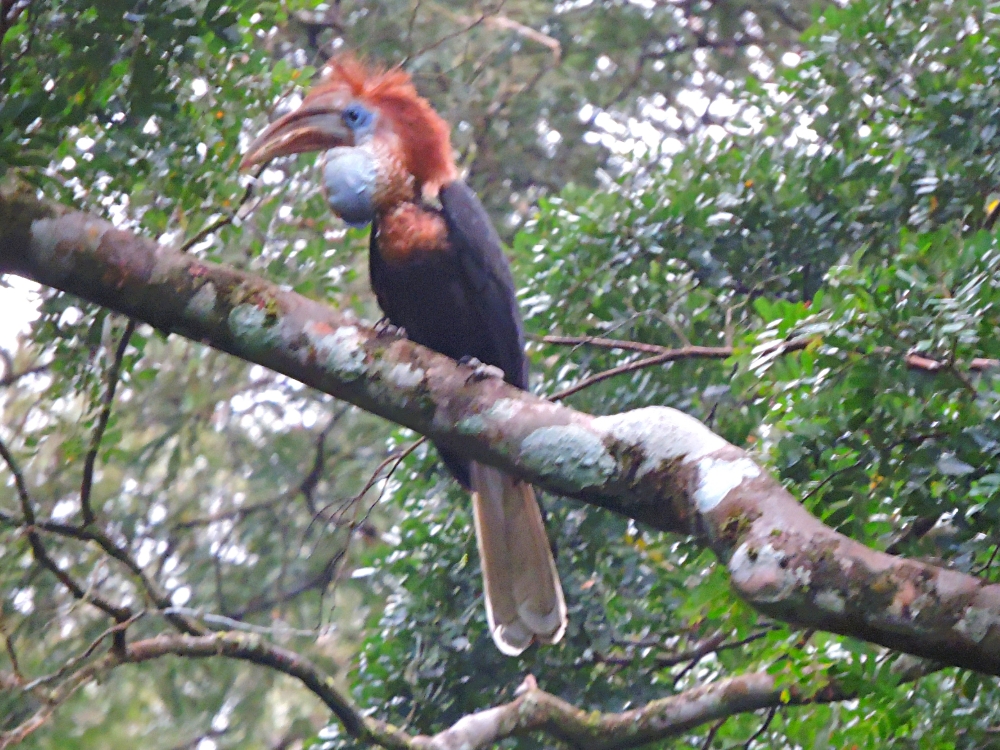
{"x":385,"y":329}
{"x":481,"y":370}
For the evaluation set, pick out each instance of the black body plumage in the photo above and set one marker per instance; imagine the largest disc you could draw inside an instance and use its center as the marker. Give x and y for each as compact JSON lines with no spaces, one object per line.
{"x":459,"y":300}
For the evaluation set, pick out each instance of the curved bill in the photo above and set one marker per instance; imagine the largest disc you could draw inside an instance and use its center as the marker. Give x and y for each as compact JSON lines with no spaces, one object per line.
{"x":309,"y":128}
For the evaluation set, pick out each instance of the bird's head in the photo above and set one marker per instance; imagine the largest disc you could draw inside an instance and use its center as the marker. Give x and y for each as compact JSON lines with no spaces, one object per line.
{"x":354,"y":106}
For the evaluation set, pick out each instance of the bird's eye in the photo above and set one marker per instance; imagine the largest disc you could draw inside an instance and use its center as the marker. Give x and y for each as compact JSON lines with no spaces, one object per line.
{"x":357,"y":117}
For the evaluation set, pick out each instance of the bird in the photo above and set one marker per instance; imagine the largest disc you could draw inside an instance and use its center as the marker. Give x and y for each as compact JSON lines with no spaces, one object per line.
{"x":439,"y":272}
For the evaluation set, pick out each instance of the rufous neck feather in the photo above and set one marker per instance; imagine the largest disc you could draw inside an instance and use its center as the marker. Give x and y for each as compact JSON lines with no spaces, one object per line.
{"x":422,"y":133}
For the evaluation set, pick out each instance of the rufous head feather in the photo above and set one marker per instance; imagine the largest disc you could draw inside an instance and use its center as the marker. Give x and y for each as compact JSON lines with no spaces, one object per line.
{"x":423,"y":133}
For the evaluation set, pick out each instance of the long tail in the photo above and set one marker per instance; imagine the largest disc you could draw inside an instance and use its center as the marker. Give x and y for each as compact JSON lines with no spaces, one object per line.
{"x":524,"y":599}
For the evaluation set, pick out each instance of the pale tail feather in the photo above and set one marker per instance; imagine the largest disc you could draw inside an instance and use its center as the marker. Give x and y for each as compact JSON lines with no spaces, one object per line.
{"x":524,"y":599}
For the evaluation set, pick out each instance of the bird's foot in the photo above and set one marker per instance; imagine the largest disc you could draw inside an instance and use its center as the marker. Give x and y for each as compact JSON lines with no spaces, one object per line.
{"x":385,"y":329}
{"x":481,"y":370}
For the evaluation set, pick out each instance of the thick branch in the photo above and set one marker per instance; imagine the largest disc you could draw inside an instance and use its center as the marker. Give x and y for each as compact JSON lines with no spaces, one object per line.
{"x":536,"y":710}
{"x":656,"y":465}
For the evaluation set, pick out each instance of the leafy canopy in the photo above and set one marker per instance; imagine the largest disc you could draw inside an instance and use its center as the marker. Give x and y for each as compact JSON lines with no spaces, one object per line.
{"x":849,"y":203}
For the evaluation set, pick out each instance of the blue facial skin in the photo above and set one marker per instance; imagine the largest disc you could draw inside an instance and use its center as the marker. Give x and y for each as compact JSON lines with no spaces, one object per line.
{"x":349,"y":176}
{"x":361,"y":120}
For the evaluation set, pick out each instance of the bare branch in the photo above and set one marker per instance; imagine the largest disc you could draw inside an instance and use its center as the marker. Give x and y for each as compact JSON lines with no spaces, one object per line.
{"x":316,"y":582}
{"x":41,"y":555}
{"x":672,"y":355}
{"x":11,"y":377}
{"x":622,"y":344}
{"x":157,"y":596}
{"x":72,"y":664}
{"x":22,"y":488}
{"x":696,"y":652}
{"x":97,"y":436}
{"x":226,"y":219}
{"x":252,"y":648}
{"x":505,"y":23}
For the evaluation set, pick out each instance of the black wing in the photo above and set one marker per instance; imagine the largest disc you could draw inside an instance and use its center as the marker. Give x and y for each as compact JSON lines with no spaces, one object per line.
{"x":486,"y":273}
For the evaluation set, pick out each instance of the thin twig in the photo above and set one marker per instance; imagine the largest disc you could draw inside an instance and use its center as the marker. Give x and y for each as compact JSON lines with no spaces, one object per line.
{"x":12,"y":377}
{"x":159,"y":598}
{"x":453,"y":34}
{"x":410,"y":26}
{"x":706,"y":648}
{"x":707,"y":744}
{"x":672,"y":355}
{"x":829,"y":478}
{"x":76,"y":660}
{"x":355,"y":524}
{"x":309,"y":483}
{"x":237,"y":513}
{"x":58,"y":696}
{"x":102,"y":424}
{"x":41,"y":555}
{"x":372,"y":479}
{"x":763,"y":727}
{"x":12,"y":655}
{"x":224,"y":220}
{"x":506,"y":23}
{"x":665,"y":354}
{"x":989,"y":563}
{"x":22,"y":488}
{"x":712,"y":644}
{"x":316,"y":582}
{"x":117,"y":613}
{"x":232,"y":624}
{"x":603,"y":343}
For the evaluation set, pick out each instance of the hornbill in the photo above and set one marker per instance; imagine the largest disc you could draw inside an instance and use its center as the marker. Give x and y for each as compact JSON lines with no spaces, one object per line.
{"x":438,"y":271}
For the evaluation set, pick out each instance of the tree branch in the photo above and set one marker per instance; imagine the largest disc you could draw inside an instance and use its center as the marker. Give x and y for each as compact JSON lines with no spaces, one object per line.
{"x":97,"y":436}
{"x":41,"y":555}
{"x":10,"y":378}
{"x":533,"y":710}
{"x":655,"y":465}
{"x":913,"y":361}
{"x":157,"y":596}
{"x":253,"y":648}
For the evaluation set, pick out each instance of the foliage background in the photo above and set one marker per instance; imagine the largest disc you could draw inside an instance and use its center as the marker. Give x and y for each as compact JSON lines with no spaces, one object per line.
{"x":714,"y":173}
